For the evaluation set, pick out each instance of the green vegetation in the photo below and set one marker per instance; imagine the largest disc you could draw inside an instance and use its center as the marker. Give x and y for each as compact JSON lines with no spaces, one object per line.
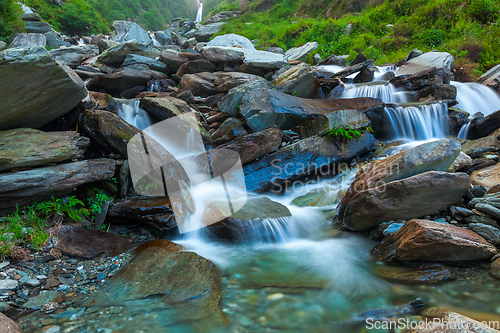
{"x":10,"y":22}
{"x":29,"y":227}
{"x":383,"y":30}
{"x":345,"y":134}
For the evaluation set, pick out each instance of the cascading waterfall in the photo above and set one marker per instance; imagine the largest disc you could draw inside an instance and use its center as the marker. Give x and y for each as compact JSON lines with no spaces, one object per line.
{"x":419,"y":122}
{"x":381,"y":89}
{"x":153,"y":38}
{"x":475,"y":97}
{"x":464,"y":131}
{"x":302,"y":222}
{"x":199,"y":14}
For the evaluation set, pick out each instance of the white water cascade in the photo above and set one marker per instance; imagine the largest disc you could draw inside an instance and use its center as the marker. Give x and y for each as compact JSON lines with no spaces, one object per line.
{"x":302,"y":222}
{"x":379,"y":89}
{"x":475,"y":97}
{"x":419,"y":122}
{"x":153,"y":38}
{"x":199,"y":13}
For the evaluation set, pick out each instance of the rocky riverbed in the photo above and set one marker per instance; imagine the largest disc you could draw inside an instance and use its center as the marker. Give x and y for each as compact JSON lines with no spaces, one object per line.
{"x":370,"y":193}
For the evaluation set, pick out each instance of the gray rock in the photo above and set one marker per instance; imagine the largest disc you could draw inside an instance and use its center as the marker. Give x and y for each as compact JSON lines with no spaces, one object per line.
{"x":482,"y":220}
{"x":8,"y":284}
{"x":413,"y":54}
{"x":298,"y":81}
{"x":29,"y":281}
{"x":25,"y":147}
{"x":230,"y":80}
{"x":264,"y":60}
{"x":231,"y":102}
{"x":54,"y":89}
{"x":488,"y":209}
{"x":204,"y":32}
{"x":128,"y":30}
{"x":3,"y":45}
{"x":223,"y":53}
{"x":335,"y":60}
{"x":232,"y":40}
{"x":37,"y":302}
{"x":440,"y":60}
{"x":275,"y":49}
{"x":300,"y":52}
{"x":190,"y":34}
{"x":28,"y":40}
{"x":491,"y":78}
{"x":117,"y":54}
{"x":134,"y":59}
{"x":37,"y":27}
{"x":25,"y":187}
{"x":317,"y":59}
{"x":164,"y":37}
{"x":489,"y":232}
{"x":119,"y":81}
{"x":105,"y":44}
{"x":73,"y":56}
{"x":31,"y":17}
{"x":52,"y":39}
{"x":221,"y":16}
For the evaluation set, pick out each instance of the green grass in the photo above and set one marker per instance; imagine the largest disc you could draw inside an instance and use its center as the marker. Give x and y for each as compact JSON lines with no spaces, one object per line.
{"x":345,"y":134}
{"x":10,"y":22}
{"x":468,"y":30}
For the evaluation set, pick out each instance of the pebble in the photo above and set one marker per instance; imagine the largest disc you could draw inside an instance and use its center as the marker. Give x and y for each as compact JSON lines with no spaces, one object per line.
{"x":101,"y":276}
{"x":115,"y":309}
{"x":51,"y":329}
{"x":8,"y":284}
{"x":4,"y":264}
{"x":245,"y":321}
{"x":41,"y":277}
{"x":29,"y":281}
{"x":275,"y":297}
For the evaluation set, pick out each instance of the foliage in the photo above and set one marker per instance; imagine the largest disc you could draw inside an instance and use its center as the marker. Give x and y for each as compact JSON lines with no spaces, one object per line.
{"x":345,"y":134}
{"x":10,"y":22}
{"x":70,"y":207}
{"x":383,"y":30}
{"x":96,"y":203}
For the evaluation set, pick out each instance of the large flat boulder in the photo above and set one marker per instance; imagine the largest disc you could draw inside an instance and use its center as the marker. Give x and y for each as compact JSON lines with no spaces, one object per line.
{"x":299,"y":81}
{"x":278,"y":170}
{"x":181,"y":285}
{"x":413,"y":197}
{"x":265,"y":108}
{"x":204,"y":32}
{"x":431,"y":156}
{"x":232,"y":40}
{"x":117,"y":54}
{"x":128,"y":30}
{"x":28,"y":40}
{"x":231,"y":102}
{"x":301,"y":52}
{"x":37,"y":27}
{"x":487,"y":177}
{"x":491,"y":78}
{"x":199,"y":85}
{"x":230,"y":80}
{"x":442,"y":61}
{"x":26,"y":147}
{"x":25,"y":187}
{"x":264,"y":60}
{"x":422,"y":240}
{"x":118,"y":81}
{"x":73,"y":56}
{"x":35,"y":88}
{"x":134,"y":59}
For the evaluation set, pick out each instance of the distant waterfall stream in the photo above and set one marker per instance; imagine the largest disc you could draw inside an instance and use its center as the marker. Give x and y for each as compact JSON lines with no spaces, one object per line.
{"x":199,"y":13}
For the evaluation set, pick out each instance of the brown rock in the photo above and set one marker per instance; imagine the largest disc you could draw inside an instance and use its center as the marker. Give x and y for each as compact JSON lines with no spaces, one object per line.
{"x":196,"y":66}
{"x":85,"y":243}
{"x":7,"y":325}
{"x":495,"y":269}
{"x":227,"y":81}
{"x":164,"y":108}
{"x":494,"y":189}
{"x":486,"y":126}
{"x":51,"y":283}
{"x":423,"y":274}
{"x":487,"y":177}
{"x":422,"y":240}
{"x":413,"y":197}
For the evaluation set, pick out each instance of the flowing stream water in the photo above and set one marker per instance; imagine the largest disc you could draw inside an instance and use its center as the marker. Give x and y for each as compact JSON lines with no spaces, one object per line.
{"x":295,"y":274}
{"x":199,"y":13}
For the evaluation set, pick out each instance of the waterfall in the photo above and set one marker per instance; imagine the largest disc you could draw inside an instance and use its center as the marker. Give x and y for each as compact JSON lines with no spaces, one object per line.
{"x":418,"y":122}
{"x":199,"y":14}
{"x":153,"y":38}
{"x":475,"y":97}
{"x":185,"y":144}
{"x":380,"y":89}
{"x":464,"y":131}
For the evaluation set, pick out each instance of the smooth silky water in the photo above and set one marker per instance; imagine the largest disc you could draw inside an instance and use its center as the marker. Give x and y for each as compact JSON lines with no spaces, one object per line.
{"x":296,"y":274}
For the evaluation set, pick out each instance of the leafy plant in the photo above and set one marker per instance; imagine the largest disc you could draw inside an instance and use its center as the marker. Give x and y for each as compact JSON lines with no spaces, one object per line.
{"x":433,"y":37}
{"x":70,"y":207}
{"x":345,"y":134}
{"x":96,"y":203}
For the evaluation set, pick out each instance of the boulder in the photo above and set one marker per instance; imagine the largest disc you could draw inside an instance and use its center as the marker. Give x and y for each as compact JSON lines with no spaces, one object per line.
{"x":128,"y":30}
{"x":165,"y":107}
{"x":413,"y":197}
{"x":198,"y":85}
{"x":230,"y":80}
{"x":53,"y":40}
{"x":37,"y":27}
{"x":488,"y":232}
{"x":347,"y":71}
{"x":105,"y":44}
{"x":163,"y":37}
{"x":25,"y":187}
{"x":221,"y":16}
{"x":118,"y":81}
{"x":174,"y":59}
{"x":301,"y":52}
{"x":73,"y":56}
{"x":204,"y":32}
{"x":495,"y":269}
{"x":229,"y":129}
{"x":3,"y":45}
{"x":134,"y":59}
{"x":422,"y":240}
{"x":422,"y":274}
{"x":335,"y":60}
{"x":231,"y":102}
{"x":196,"y":66}
{"x":475,"y":148}
{"x":413,"y":54}
{"x":28,"y":40}
{"x":431,"y":156}
{"x":155,"y":213}
{"x":485,"y":126}
{"x":247,"y":222}
{"x":35,"y":303}
{"x":31,"y":17}
{"x":265,"y":108}
{"x":54,"y":89}
{"x":491,"y":78}
{"x":7,"y":325}
{"x":232,"y":40}
{"x":298,"y":81}
{"x":181,"y":285}
{"x":118,"y":54}
{"x":311,"y":156}
{"x":26,"y":147}
{"x":419,"y":80}
{"x":441,"y":61}
{"x":263,"y":60}
{"x":223,"y":53}
{"x":487,"y":177}
{"x":275,"y":49}
{"x":85,"y":243}
{"x":463,"y":161}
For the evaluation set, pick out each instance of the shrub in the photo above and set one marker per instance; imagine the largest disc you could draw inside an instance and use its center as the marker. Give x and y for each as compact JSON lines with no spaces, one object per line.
{"x":433,"y":37}
{"x":483,"y":10}
{"x":10,"y":22}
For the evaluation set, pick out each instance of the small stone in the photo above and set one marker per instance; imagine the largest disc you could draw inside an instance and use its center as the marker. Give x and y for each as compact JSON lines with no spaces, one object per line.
{"x":115,"y":309}
{"x":51,"y":329}
{"x":49,"y":307}
{"x":41,"y":277}
{"x":275,"y":297}
{"x":17,"y":277}
{"x":29,"y":281}
{"x":37,"y":302}
{"x":51,"y":283}
{"x":101,"y":276}
{"x":8,"y":284}
{"x":245,"y":321}
{"x":55,"y":253}
{"x":4,"y":264}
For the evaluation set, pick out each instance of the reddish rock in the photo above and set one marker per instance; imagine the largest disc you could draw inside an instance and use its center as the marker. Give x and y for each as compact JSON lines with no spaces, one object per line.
{"x":51,"y":283}
{"x":495,"y":269}
{"x":85,"y":243}
{"x":423,"y":274}
{"x":413,"y":197}
{"x":422,"y":240}
{"x":487,"y":177}
{"x":7,"y":325}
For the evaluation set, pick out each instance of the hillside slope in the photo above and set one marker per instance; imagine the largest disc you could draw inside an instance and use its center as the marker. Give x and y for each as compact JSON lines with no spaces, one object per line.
{"x":383,"y":30}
